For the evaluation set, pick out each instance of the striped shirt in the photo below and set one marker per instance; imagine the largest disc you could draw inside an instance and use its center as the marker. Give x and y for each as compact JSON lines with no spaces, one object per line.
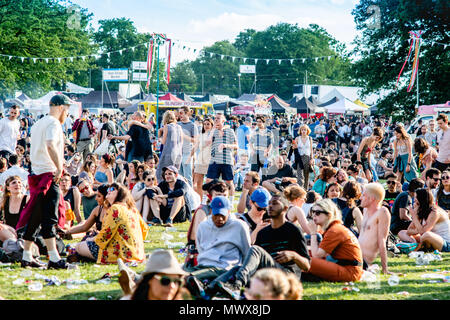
{"x":261,"y":140}
{"x":226,"y":155}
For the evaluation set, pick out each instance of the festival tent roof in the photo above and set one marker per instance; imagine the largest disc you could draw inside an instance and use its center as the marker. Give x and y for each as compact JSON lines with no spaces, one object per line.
{"x":314,"y":100}
{"x":360,"y":103}
{"x":254,"y":96}
{"x":170,"y":97}
{"x":41,"y":106}
{"x":334,"y":93}
{"x":183,"y":96}
{"x":135,"y":106}
{"x":111,"y":99}
{"x":305,"y":106}
{"x":280,"y":106}
{"x":76,"y":89}
{"x":343,"y":106}
{"x":225,"y":106}
{"x":327,"y":103}
{"x":23,"y":97}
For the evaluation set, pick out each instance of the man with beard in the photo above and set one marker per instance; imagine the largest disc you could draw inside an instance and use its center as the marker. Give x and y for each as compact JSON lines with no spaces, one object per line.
{"x":280,"y":245}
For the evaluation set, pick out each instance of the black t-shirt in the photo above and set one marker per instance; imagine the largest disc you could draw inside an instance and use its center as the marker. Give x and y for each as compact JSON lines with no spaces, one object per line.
{"x":246,"y":217}
{"x":287,"y":237}
{"x":140,"y":138}
{"x":390,"y":197}
{"x":274,"y":172}
{"x":403,"y":200}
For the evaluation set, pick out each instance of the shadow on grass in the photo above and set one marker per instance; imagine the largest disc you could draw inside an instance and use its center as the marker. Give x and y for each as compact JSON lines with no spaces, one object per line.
{"x":98,"y":295}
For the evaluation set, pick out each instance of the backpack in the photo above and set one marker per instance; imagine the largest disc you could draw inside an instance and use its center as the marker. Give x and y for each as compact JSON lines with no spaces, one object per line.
{"x":13,"y":250}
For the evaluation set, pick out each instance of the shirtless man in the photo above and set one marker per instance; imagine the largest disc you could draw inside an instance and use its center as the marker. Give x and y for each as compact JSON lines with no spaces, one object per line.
{"x":375,"y":225}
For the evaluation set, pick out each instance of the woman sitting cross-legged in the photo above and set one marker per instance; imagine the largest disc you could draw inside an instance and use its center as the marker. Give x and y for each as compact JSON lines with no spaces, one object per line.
{"x":430,"y":226}
{"x":144,"y":194}
{"x":339,"y":256}
{"x":122,"y":234}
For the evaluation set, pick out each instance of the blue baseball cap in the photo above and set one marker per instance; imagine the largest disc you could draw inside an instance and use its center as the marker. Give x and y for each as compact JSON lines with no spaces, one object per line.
{"x":220,"y":205}
{"x":261,"y":197}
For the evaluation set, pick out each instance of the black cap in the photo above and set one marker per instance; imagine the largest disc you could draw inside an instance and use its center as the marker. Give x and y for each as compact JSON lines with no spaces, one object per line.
{"x":60,"y":100}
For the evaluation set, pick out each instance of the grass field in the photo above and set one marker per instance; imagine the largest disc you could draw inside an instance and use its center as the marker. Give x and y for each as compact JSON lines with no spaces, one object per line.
{"x":416,"y":282}
{"x":411,"y":279}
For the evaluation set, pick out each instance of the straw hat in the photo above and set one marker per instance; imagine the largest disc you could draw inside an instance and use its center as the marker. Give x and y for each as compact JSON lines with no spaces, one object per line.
{"x":163,"y":261}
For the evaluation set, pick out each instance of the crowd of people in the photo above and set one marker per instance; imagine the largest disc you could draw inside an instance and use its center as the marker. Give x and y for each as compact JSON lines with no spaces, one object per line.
{"x":271,"y":201}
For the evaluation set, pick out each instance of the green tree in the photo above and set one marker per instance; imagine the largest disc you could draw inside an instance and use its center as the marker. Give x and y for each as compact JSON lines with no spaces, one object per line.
{"x":382,"y":48}
{"x":116,"y":34}
{"x":243,"y":39}
{"x":41,"y":29}
{"x":183,"y":78}
{"x":288,"y":41}
{"x":216,"y":74}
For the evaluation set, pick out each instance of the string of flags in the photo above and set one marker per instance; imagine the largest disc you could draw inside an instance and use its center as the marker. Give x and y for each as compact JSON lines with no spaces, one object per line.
{"x":169,"y":48}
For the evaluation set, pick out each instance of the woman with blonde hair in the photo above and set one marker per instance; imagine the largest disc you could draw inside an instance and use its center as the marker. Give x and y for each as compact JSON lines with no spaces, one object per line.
{"x":296,"y":196}
{"x":404,"y":164}
{"x":171,"y":136}
{"x":274,"y":284}
{"x":339,"y":255}
{"x":304,"y":155}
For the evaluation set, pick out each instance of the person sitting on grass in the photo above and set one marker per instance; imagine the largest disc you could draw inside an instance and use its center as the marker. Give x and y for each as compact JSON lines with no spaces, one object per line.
{"x":173,"y":207}
{"x":274,"y":284}
{"x":278,"y":176}
{"x":122,"y":234}
{"x":327,"y":176}
{"x":251,"y":183}
{"x":430,"y":226}
{"x":338,"y":258}
{"x":162,"y":279}
{"x":375,"y":225}
{"x":144,"y":194}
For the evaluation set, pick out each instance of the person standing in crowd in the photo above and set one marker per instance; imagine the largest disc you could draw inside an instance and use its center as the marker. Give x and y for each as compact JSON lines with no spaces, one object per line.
{"x":172,"y":142}
{"x":84,"y":131}
{"x":375,"y":225}
{"x":261,"y":144}
{"x":304,"y":145}
{"x":243,"y":135}
{"x":141,"y":146}
{"x":223,"y":143}
{"x":47,"y":159}
{"x":320,"y":132}
{"x":443,"y":159}
{"x":189,"y":137}
{"x":9,"y":132}
{"x":404,"y":164}
{"x":202,"y":154}
{"x":365,"y":149}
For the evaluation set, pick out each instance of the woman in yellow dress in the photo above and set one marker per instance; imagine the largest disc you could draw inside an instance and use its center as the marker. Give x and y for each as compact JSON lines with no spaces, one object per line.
{"x":123,"y":231}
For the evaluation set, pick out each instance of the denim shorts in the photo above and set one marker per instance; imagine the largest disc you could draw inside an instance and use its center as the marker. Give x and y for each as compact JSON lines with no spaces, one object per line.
{"x":445,"y":247}
{"x":93,"y":248}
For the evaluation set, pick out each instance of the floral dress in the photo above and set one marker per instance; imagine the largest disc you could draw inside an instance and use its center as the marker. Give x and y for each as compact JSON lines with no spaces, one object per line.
{"x":122,"y":235}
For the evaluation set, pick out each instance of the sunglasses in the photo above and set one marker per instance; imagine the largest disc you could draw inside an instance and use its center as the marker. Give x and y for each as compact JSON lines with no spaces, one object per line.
{"x":317,"y":212}
{"x":111,"y":189}
{"x":260,"y":209}
{"x":150,"y":179}
{"x":436,"y":179}
{"x":166,"y":281}
{"x":390,"y":182}
{"x":445,"y":177}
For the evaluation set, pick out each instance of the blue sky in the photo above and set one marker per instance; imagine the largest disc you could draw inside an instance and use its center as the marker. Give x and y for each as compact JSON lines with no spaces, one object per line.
{"x":199,"y":23}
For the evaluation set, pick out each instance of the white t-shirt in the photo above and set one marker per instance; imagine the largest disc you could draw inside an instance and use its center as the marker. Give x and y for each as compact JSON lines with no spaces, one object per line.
{"x":9,"y":132}
{"x":46,"y":129}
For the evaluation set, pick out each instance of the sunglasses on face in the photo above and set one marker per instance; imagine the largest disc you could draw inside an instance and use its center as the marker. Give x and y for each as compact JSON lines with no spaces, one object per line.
{"x":150,"y":179}
{"x":111,"y":189}
{"x":260,"y":209}
{"x":166,"y":281}
{"x":317,"y":212}
{"x":390,"y":182}
{"x":445,"y":177}
{"x":436,"y":179}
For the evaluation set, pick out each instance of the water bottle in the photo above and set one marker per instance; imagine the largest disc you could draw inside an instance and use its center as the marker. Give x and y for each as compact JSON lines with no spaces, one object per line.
{"x":35,"y":286}
{"x":393,"y":280}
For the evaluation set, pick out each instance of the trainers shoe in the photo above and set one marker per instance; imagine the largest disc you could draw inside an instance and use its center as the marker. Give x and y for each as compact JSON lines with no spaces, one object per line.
{"x":168,"y":223}
{"x":155,"y":221}
{"x":35,"y":263}
{"x":195,"y":287}
{"x":61,"y":264}
{"x":228,"y":290}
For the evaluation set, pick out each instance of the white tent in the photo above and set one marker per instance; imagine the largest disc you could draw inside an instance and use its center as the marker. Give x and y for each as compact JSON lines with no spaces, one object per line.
{"x":74,"y":88}
{"x":344,"y":106}
{"x":41,"y":106}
